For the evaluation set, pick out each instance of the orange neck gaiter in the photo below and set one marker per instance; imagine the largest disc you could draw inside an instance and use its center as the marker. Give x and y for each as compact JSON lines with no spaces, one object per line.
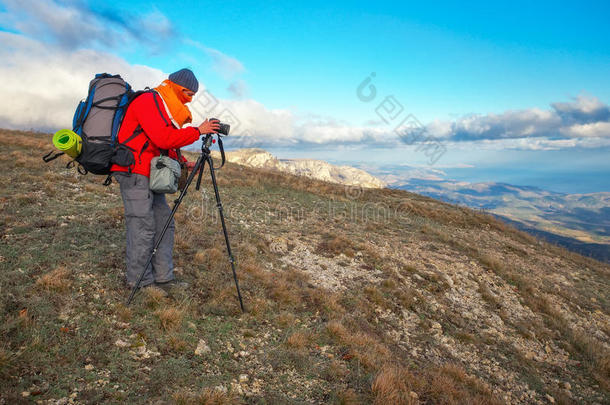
{"x":174,"y":99}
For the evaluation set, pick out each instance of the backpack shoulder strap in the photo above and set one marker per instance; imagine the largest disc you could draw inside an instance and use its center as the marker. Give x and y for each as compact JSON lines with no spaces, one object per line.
{"x":155,"y":95}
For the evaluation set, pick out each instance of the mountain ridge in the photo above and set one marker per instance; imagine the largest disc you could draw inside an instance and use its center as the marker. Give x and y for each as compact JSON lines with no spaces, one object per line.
{"x":583,"y":218}
{"x":312,"y":168}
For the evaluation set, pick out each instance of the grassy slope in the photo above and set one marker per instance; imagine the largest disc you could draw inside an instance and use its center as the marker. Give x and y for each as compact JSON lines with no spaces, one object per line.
{"x":422,"y":301}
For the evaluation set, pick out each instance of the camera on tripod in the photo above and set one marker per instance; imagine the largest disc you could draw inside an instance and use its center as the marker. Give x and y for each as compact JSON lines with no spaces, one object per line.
{"x":224,"y":128}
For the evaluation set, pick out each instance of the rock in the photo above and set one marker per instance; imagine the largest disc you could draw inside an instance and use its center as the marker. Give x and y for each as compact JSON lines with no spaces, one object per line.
{"x":567,"y":386}
{"x":413,"y":395}
{"x":142,"y":353}
{"x":121,"y":343}
{"x":449,"y":281}
{"x":25,"y":394}
{"x":89,"y":367}
{"x":202,"y":348}
{"x":550,"y":398}
{"x":39,"y":388}
{"x":278,"y":245}
{"x":243,"y":378}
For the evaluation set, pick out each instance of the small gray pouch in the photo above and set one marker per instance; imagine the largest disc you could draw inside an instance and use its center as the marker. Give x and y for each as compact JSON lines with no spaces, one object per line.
{"x":164,"y":175}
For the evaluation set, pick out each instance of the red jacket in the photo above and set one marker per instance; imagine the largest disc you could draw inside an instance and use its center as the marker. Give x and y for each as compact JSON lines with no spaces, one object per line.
{"x":158,"y":133}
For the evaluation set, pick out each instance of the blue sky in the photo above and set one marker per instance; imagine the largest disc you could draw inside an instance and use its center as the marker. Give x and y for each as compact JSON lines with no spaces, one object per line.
{"x":496,"y":84}
{"x":442,"y":60}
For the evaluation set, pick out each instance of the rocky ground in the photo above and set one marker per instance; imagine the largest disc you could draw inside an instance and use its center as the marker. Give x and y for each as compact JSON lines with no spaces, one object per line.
{"x":352,"y":296}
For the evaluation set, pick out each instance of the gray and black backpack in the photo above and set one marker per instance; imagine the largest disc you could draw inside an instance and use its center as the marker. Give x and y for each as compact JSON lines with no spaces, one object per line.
{"x":97,"y":121}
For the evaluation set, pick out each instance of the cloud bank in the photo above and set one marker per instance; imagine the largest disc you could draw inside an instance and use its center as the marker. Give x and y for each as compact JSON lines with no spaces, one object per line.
{"x":581,"y":121}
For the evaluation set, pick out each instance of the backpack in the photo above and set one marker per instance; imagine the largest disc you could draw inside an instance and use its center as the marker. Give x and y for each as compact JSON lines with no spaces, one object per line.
{"x":97,"y":121}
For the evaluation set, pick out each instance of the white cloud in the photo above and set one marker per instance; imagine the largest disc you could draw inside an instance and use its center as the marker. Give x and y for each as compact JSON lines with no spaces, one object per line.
{"x":227,"y":66}
{"x":43,"y":84}
{"x":596,"y":129}
{"x":76,"y":25}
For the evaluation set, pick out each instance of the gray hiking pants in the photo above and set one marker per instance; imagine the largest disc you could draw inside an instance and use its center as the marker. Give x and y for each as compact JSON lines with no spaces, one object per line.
{"x":145,"y":215}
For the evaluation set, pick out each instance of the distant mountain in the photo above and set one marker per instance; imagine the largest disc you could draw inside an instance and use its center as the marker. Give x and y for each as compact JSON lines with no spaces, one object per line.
{"x":315,"y":169}
{"x":580,"y":222}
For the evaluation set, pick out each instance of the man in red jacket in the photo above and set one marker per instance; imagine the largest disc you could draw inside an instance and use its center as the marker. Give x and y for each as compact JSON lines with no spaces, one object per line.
{"x":154,"y":123}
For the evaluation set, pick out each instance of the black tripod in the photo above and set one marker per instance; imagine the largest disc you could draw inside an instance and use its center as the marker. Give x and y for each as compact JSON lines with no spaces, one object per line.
{"x":198,"y":169}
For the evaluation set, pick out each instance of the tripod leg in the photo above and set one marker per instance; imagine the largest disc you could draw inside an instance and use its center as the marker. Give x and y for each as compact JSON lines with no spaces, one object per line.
{"x":197,"y":169}
{"x":224,"y":229}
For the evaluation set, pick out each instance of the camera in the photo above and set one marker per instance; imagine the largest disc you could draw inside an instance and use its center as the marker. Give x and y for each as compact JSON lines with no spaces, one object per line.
{"x":223,"y":128}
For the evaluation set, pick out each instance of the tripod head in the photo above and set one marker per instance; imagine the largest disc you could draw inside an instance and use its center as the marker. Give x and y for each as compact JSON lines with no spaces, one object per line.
{"x":206,"y":142}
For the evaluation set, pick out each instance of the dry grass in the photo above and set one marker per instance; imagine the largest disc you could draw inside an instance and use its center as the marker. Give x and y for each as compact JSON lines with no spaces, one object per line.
{"x":488,"y":296}
{"x":170,"y":318}
{"x":123,"y":312}
{"x":55,"y":280}
{"x":466,"y":337}
{"x":259,"y":307}
{"x":602,"y":373}
{"x":328,"y":302}
{"x":375,"y":296}
{"x":333,"y":245}
{"x":365,"y":348}
{"x":336,"y":329}
{"x":595,"y":354}
{"x":393,"y":385}
{"x":407,"y":297}
{"x":213,"y":258}
{"x":347,"y":397}
{"x":286,"y":288}
{"x":283,"y":292}
{"x":448,"y":384}
{"x":5,"y":362}
{"x":299,"y":340}
{"x":285,"y":319}
{"x":208,"y":396}
{"x":335,"y":371}
{"x":154,"y":297}
{"x":176,"y":344}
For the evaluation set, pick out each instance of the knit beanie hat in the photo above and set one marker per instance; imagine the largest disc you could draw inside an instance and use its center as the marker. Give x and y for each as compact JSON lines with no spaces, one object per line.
{"x":185,"y":78}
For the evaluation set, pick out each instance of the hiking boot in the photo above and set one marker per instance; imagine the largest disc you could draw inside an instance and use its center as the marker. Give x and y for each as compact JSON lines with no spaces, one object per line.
{"x":173,"y":285}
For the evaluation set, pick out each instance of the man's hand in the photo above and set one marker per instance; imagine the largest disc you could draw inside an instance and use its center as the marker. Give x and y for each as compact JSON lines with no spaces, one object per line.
{"x":209,"y":127}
